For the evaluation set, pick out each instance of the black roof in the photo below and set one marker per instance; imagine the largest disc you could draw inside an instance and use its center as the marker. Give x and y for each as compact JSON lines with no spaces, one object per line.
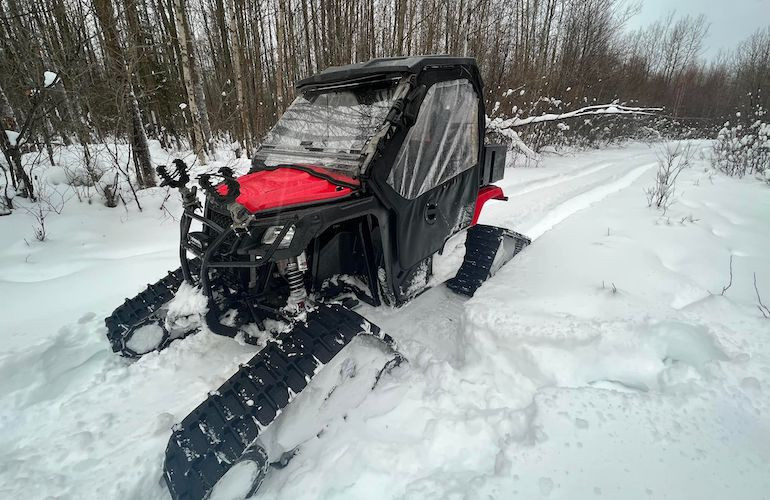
{"x":384,"y":66}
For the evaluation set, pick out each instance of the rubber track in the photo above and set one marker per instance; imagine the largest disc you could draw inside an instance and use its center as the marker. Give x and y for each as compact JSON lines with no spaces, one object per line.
{"x":481,"y":246}
{"x":215,"y":435}
{"x":135,"y":312}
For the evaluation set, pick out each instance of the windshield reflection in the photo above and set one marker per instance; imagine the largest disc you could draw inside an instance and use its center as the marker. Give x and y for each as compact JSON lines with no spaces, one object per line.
{"x":329,"y":127}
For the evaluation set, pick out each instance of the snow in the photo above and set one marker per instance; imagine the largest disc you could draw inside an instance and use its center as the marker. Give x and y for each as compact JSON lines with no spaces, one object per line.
{"x":185,"y":310}
{"x":13,"y":137}
{"x":601,"y":362}
{"x":49,"y":78}
{"x":237,"y":481}
{"x":146,"y":338}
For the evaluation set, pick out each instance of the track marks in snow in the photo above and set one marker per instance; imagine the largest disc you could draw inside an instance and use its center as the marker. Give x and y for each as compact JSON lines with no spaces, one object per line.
{"x":583,"y":201}
{"x":557,"y":180}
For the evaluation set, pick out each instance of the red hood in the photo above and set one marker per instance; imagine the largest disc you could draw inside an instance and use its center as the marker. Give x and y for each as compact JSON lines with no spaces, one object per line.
{"x":285,"y":187}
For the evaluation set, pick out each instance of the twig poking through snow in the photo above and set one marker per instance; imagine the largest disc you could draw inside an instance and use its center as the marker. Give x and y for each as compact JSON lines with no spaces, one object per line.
{"x":730,"y":283}
{"x":762,"y":308}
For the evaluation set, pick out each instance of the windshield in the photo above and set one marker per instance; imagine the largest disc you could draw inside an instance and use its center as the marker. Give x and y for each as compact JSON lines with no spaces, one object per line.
{"x":329,"y":127}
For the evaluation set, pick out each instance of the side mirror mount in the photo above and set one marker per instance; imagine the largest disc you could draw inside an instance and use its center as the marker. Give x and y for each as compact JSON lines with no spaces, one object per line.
{"x":405,"y":110}
{"x":413,"y":102}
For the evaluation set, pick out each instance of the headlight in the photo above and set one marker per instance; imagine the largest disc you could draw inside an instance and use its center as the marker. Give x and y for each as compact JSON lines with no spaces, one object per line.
{"x":273,"y":232}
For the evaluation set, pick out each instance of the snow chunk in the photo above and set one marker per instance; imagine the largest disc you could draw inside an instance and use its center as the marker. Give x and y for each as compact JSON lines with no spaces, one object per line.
{"x":237,"y":482}
{"x":188,"y":300}
{"x":185,"y":311}
{"x":145,"y":339}
{"x":49,"y":78}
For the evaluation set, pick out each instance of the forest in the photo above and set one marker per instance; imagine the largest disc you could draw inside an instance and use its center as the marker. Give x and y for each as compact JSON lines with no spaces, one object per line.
{"x":212,"y":74}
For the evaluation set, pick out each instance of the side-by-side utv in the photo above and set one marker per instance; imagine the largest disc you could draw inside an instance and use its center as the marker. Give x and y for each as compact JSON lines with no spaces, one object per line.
{"x":360,"y":183}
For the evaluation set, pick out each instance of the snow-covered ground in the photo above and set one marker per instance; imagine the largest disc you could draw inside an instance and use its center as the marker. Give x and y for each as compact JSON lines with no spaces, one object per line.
{"x":603,"y":362}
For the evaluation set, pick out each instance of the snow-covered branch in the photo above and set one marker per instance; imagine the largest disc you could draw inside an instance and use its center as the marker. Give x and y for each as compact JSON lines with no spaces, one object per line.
{"x":505,"y":127}
{"x":516,"y":142}
{"x":598,"y":109}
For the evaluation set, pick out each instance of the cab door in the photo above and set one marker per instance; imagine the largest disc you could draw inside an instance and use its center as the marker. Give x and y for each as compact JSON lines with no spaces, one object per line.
{"x":434,"y":179}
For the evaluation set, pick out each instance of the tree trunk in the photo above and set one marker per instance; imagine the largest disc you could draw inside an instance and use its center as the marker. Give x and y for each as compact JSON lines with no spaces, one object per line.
{"x":200,"y":96}
{"x":144,"y":173}
{"x":279,"y":63}
{"x":19,"y":177}
{"x":181,"y":30}
{"x":116,"y":63}
{"x":203,"y":112}
{"x":235,"y":51}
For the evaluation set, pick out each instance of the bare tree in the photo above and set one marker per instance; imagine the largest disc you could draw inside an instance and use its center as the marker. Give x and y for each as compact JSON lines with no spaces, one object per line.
{"x":235,"y":53}
{"x":115,"y":62}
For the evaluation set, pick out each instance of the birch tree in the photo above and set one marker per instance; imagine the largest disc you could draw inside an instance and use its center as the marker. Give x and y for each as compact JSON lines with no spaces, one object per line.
{"x":181,"y":30}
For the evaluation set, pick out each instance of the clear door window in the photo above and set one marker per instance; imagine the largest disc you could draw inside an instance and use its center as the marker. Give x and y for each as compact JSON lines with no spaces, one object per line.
{"x":442,"y":143}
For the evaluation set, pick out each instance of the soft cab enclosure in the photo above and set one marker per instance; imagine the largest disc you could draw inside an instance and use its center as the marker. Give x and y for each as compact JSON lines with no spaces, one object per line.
{"x":408,"y":131}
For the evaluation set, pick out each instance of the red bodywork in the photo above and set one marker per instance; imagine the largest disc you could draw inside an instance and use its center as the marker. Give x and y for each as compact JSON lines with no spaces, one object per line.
{"x":285,"y":187}
{"x":485,"y":194}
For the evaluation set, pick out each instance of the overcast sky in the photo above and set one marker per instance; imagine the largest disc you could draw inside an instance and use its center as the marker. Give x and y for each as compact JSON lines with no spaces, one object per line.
{"x":731,"y":20}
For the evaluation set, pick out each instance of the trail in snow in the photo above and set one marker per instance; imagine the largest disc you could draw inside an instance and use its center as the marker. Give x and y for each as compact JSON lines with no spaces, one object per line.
{"x":555,"y":180}
{"x":546,"y":384}
{"x":583,"y":201}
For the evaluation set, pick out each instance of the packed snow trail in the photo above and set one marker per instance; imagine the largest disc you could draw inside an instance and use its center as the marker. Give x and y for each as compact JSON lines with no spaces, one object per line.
{"x":584,"y":200}
{"x":595,"y":363}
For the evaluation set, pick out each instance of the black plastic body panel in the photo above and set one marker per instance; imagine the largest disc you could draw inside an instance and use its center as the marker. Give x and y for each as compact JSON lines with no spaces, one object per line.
{"x":309,"y":223}
{"x":385,"y":66}
{"x":493,"y":163}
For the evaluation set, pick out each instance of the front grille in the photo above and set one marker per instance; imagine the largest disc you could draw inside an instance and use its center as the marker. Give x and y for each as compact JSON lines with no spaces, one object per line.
{"x":223,"y":220}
